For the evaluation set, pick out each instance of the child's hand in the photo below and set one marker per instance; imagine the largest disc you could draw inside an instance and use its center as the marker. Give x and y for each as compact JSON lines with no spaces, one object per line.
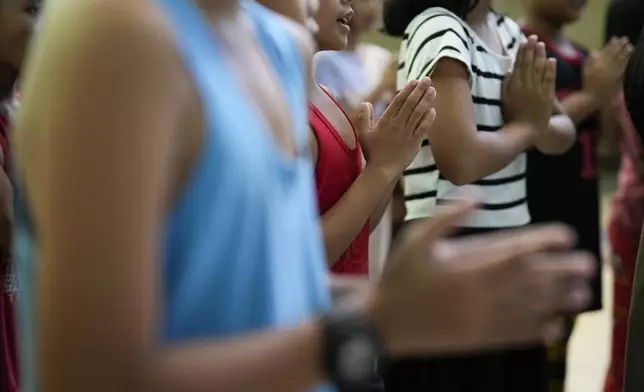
{"x":529,"y":90}
{"x":604,"y":70}
{"x":394,"y":141}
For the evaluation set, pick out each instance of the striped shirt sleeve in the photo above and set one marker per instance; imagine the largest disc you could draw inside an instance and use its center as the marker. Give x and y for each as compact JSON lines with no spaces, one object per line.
{"x":437,"y":36}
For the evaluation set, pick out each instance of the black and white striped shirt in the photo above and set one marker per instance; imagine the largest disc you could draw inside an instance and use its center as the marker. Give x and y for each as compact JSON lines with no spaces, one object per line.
{"x":435,"y":34}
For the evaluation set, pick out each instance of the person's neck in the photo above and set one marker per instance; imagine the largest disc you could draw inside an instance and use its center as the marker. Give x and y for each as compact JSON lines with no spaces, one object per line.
{"x":352,"y":41}
{"x":479,"y":14}
{"x":218,"y":8}
{"x":547,"y":31}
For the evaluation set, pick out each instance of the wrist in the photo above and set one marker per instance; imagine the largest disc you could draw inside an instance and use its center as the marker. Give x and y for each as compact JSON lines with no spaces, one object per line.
{"x":383,"y":324}
{"x":525,"y":132}
{"x":382,"y":172}
{"x":593,"y":98}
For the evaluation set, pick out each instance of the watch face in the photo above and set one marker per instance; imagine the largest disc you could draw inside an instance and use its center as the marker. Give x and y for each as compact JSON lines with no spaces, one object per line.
{"x":357,"y":359}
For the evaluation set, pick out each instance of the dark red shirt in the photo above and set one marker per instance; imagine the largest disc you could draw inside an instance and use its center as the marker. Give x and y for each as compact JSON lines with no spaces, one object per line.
{"x":338,"y":166}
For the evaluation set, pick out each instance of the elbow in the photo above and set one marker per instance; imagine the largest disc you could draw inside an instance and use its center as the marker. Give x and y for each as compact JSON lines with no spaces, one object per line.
{"x":458,"y":173}
{"x":559,"y":137}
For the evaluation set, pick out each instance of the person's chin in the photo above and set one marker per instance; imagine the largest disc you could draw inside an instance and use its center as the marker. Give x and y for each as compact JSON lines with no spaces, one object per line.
{"x":341,"y":44}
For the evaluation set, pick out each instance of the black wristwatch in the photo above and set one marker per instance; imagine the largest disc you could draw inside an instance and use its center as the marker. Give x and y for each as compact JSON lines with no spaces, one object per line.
{"x":352,"y":348}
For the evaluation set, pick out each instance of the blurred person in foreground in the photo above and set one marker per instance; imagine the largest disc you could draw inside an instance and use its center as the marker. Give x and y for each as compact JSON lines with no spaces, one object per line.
{"x":565,"y":188}
{"x":627,"y":210}
{"x":166,"y":230}
{"x":16,"y":24}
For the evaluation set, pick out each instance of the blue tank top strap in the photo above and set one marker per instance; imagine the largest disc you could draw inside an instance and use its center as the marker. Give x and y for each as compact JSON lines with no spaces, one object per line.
{"x":283,"y":51}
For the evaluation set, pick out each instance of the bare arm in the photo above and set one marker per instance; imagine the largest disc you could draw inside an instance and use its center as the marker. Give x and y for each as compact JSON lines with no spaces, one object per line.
{"x":342,"y":223}
{"x":346,"y":288}
{"x":580,"y":105}
{"x":382,"y":206}
{"x":100,"y":190}
{"x":463,"y":154}
{"x":560,"y":135}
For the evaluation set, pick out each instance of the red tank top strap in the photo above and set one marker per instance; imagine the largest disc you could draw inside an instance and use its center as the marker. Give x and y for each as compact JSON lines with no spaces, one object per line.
{"x":336,"y":169}
{"x":353,"y":126}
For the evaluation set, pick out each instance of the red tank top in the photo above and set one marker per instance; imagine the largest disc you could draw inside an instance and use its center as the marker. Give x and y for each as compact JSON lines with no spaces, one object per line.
{"x":338,"y":166}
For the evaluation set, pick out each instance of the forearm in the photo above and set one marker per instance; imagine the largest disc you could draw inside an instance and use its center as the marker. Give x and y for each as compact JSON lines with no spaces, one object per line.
{"x":491,"y":152}
{"x":276,"y":361}
{"x":287,"y":361}
{"x":343,"y":222}
{"x":558,"y":137}
{"x":382,"y":206}
{"x":345,"y":287}
{"x":579,"y":106}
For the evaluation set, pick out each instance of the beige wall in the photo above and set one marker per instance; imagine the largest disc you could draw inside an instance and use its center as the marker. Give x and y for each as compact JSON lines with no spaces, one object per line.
{"x":588,"y":31}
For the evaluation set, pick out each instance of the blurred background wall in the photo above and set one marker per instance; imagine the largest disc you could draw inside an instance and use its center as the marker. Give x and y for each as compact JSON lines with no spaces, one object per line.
{"x":589,"y":31}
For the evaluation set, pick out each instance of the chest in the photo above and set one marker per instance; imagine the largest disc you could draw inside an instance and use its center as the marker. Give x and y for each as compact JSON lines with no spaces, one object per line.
{"x":336,"y":117}
{"x":263,"y":86}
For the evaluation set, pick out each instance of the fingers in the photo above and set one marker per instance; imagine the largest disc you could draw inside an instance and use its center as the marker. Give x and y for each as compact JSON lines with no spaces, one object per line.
{"x":429,"y":230}
{"x":407,"y":110}
{"x":508,"y":245}
{"x":553,"y":331}
{"x":421,"y":111}
{"x":400,"y":99}
{"x":618,"y":50}
{"x":422,"y":131}
{"x":611,"y":49}
{"x":540,"y":61}
{"x":364,"y":120}
{"x":625,"y":53}
{"x":562,"y":280}
{"x":528,"y":61}
{"x":519,"y":62}
{"x":549,"y":75}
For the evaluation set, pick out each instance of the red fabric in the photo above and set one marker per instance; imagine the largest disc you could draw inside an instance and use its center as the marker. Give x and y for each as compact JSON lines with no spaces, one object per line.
{"x":627,"y":216}
{"x":338,"y":166}
{"x":628,"y":202}
{"x":624,"y":243}
{"x":8,"y":346}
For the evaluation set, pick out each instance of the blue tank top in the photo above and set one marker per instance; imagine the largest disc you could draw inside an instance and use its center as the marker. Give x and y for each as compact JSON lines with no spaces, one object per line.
{"x":243,"y":247}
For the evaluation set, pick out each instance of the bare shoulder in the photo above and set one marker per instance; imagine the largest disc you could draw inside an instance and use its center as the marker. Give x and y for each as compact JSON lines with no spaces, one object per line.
{"x":302,"y":36}
{"x":108,"y":66}
{"x":77,"y":26}
{"x":97,"y":46}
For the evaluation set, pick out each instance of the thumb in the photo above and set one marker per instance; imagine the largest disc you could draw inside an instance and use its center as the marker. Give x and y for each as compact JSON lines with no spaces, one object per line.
{"x":448,"y":217}
{"x":364,"y":119}
{"x":506,"y":82}
{"x":424,"y":234}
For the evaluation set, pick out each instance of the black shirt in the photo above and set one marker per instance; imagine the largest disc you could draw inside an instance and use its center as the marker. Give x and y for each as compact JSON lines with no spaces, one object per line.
{"x":565,"y":188}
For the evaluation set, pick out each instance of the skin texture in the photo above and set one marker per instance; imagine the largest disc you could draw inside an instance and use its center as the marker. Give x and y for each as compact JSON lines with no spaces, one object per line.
{"x":136,"y":135}
{"x":368,"y":196}
{"x":603,"y":72}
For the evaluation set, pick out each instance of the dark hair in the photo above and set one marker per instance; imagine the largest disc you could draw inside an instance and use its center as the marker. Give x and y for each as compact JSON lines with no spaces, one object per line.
{"x":634,"y":88}
{"x":624,"y":19}
{"x":397,"y":14}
